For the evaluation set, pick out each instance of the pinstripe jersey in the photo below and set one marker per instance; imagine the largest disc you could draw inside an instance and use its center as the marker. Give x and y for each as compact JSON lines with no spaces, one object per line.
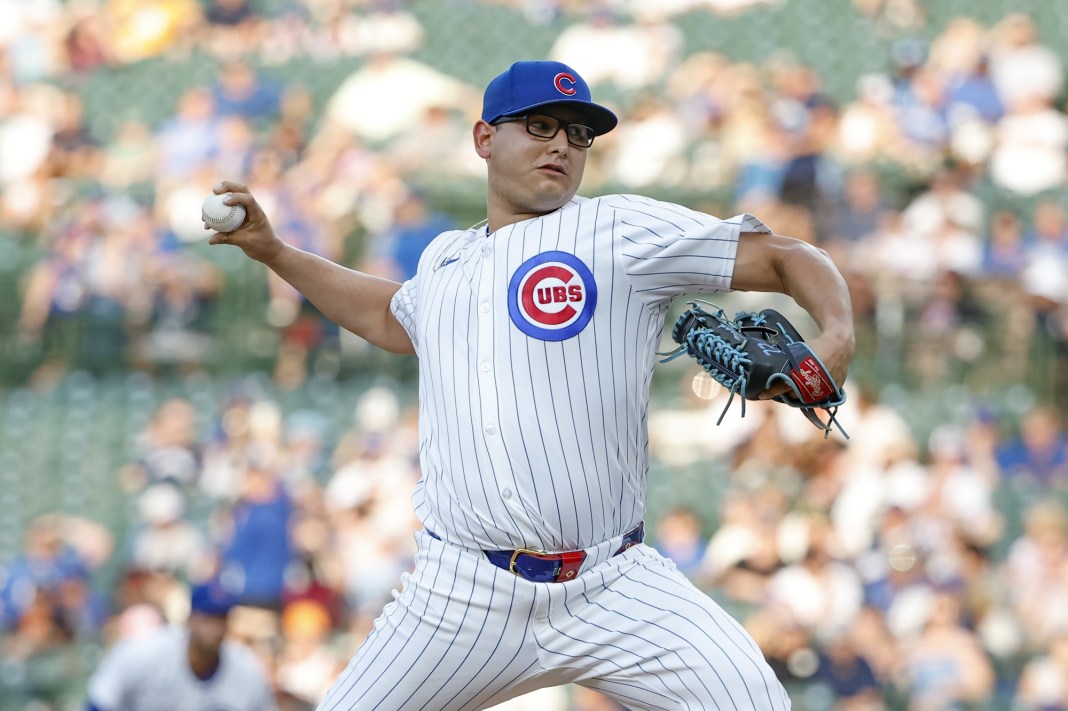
{"x":152,"y":673}
{"x":536,"y":348}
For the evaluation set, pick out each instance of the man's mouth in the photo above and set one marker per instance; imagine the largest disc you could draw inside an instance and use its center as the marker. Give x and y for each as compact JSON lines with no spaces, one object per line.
{"x":554,"y":168}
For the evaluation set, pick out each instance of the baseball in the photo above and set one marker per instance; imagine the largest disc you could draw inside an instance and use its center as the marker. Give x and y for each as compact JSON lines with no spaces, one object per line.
{"x":219,"y":216}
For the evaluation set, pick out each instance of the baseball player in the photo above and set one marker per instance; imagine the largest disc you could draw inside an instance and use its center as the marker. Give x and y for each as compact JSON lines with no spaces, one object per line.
{"x":176,"y":669}
{"x":537,"y":335}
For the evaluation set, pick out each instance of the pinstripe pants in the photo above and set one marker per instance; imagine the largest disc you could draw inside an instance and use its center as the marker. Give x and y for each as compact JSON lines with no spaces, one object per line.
{"x":463,"y":634}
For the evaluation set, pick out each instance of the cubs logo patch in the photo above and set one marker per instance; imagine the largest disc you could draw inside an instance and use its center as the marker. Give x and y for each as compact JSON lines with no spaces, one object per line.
{"x":565,"y":83}
{"x":552,"y":296}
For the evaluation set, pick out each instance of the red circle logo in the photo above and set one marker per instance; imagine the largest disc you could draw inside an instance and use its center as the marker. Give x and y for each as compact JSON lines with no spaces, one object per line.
{"x":552,"y":296}
{"x":565,"y":83}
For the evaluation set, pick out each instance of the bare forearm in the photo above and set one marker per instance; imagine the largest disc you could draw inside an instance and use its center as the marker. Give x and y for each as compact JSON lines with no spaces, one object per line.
{"x":774,"y":263}
{"x":355,"y":301}
{"x":813,"y":281}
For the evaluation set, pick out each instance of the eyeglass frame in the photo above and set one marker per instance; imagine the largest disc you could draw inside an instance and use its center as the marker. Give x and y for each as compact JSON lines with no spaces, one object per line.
{"x":560,"y":124}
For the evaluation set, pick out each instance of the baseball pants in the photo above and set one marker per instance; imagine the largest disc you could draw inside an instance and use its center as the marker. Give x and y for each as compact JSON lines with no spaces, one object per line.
{"x":462,"y":634}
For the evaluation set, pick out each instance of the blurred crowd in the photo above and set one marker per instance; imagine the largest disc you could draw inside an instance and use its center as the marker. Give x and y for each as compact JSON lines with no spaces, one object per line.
{"x":892,"y":568}
{"x":938,"y":183}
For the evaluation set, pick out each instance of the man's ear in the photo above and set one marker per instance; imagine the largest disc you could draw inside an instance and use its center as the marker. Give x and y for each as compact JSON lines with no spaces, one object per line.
{"x":483,"y":135}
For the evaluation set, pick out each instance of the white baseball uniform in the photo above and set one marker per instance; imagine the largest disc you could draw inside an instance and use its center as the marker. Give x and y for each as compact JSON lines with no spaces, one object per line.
{"x":152,"y":673}
{"x":536,"y":349}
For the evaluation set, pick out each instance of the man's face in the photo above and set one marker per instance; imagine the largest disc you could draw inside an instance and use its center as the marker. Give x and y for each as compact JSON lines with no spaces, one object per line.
{"x":206,"y":632}
{"x":533,"y":175}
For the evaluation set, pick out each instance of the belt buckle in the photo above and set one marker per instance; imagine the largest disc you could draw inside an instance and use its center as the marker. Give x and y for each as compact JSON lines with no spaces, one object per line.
{"x":569,"y":562}
{"x":518,"y":552}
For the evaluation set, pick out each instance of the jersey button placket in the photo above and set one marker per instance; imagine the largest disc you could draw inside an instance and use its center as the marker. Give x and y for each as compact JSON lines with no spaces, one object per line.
{"x":484,"y":351}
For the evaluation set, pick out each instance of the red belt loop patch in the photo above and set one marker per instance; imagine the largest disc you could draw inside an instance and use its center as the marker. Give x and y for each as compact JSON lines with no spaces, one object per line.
{"x":570,"y":563}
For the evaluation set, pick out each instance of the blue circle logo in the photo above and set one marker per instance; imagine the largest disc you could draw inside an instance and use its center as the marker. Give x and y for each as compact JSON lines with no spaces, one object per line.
{"x":552,"y":296}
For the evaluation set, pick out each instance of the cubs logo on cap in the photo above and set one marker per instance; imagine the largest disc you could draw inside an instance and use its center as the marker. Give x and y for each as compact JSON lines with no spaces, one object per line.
{"x":531,"y":85}
{"x":552,"y":296}
{"x":565,"y":84}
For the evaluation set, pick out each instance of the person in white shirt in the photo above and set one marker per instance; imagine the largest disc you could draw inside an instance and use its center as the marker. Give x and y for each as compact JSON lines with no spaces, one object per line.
{"x":537,"y":335}
{"x":182,"y":668}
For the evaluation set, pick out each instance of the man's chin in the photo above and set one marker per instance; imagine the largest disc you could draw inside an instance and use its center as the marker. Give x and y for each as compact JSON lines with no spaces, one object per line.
{"x":550,"y":201}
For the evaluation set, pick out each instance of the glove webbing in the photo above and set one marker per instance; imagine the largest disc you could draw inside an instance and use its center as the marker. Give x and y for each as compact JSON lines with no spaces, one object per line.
{"x":725,"y":363}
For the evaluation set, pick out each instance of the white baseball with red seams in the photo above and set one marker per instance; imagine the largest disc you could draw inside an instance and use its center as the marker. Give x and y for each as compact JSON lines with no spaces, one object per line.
{"x":219,"y":216}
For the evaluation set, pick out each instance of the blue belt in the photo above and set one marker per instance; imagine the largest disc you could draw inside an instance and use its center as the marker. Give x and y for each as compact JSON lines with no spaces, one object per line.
{"x":542,"y":567}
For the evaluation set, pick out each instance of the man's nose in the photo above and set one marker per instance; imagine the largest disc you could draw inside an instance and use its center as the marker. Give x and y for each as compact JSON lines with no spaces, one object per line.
{"x":558,"y":143}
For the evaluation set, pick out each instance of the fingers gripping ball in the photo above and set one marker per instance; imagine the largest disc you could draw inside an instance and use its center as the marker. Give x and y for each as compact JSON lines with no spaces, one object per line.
{"x":219,"y":216}
{"x":755,"y":352}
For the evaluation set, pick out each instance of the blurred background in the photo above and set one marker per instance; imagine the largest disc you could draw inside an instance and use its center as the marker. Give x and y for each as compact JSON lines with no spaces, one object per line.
{"x":168,"y":410}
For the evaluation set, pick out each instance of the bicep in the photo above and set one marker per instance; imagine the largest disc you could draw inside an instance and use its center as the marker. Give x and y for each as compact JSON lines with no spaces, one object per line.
{"x":760,"y":259}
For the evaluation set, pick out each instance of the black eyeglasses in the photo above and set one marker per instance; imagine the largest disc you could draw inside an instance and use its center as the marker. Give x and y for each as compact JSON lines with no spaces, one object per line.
{"x":546,"y":127}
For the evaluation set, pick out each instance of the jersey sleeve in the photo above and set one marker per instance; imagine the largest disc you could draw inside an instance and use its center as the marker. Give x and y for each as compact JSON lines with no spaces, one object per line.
{"x":403,"y":305}
{"x":668,"y":250}
{"x":249,"y":679}
{"x":110,"y":683}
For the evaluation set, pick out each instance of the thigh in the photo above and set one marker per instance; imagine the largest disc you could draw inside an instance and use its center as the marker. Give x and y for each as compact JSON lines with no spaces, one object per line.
{"x":654,"y":641}
{"x":455,"y":637}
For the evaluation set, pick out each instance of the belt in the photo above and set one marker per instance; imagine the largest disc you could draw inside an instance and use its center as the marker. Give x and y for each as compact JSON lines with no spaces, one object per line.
{"x":544,"y":567}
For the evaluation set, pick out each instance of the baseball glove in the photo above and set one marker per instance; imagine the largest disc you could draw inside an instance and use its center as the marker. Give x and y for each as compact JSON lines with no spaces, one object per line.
{"x":754,"y":352}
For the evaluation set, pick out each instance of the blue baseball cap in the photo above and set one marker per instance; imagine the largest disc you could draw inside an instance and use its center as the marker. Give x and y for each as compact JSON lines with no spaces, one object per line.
{"x":531,"y":85}
{"x":211,"y":598}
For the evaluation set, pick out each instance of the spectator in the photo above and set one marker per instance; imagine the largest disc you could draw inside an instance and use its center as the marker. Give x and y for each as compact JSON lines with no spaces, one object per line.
{"x":1044,"y":681}
{"x":58,"y":551}
{"x":820,"y":594}
{"x":167,"y":542}
{"x":168,"y":448}
{"x":650,"y":148}
{"x":867,"y":129}
{"x":610,"y":51}
{"x":394,"y":253}
{"x":41,"y":662}
{"x":308,"y":665}
{"x":946,"y":202}
{"x":190,"y":138}
{"x":178,"y":336}
{"x":1005,"y":251}
{"x":1031,"y":142}
{"x":848,"y":675}
{"x":242,"y":91}
{"x":1024,"y":71}
{"x":1039,"y":454}
{"x":87,"y":45}
{"x":257,"y":550}
{"x":402,"y":89}
{"x":229,"y":13}
{"x":961,"y":494}
{"x":1033,"y":137}
{"x":141,"y":29}
{"x":1037,"y":574}
{"x":130,"y":158}
{"x":862,"y":206}
{"x":384,"y":27}
{"x":1046,"y":243}
{"x":946,"y":665}
{"x":173,"y":663}
{"x":679,"y":537}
